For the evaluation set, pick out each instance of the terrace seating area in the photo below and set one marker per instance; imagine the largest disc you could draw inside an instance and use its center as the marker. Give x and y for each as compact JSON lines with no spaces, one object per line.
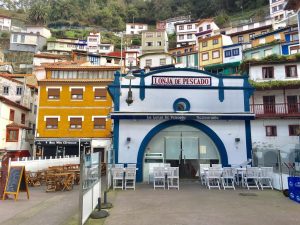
{"x":124,"y":177}
{"x":55,"y":178}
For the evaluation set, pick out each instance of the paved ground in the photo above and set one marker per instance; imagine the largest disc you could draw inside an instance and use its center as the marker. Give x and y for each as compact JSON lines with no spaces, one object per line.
{"x":193,"y":205}
{"x":41,"y":209}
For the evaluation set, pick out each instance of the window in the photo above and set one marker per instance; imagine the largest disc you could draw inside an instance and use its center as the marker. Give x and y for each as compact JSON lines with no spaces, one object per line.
{"x":23,"y":118}
{"x":51,"y":123}
{"x":12,"y":135}
{"x":99,"y":123}
{"x":149,"y":35}
{"x":208,"y":27}
{"x":158,"y":34}
{"x":15,"y":38}
{"x":291,"y":71}
{"x":162,"y":61}
{"x":12,"y":115}
{"x":280,"y":7}
{"x":251,"y":36}
{"x":274,"y":9}
{"x":75,"y":123}
{"x":33,"y":128}
{"x":216,"y":54}
{"x":22,"y":38}
{"x":200,"y":29}
{"x":35,"y":109}
{"x":255,"y":55}
{"x":294,"y":130}
{"x":294,"y":37}
{"x":271,"y":131}
{"x":181,"y":37}
{"x":100,"y":93}
{"x":31,"y":105}
{"x":215,"y":41}
{"x":268,"y":72}
{"x":189,"y":36}
{"x":235,"y":52}
{"x":149,"y":44}
{"x":262,"y":41}
{"x":5,"y":90}
{"x":240,"y":38}
{"x":53,"y":93}
{"x":268,"y":52}
{"x":227,"y":53}
{"x":277,"y":36}
{"x":19,"y":90}
{"x":205,"y":56}
{"x":204,"y":44}
{"x":159,"y":43}
{"x":181,"y":27}
{"x":76,"y":93}
{"x":189,"y":27}
{"x":148,"y":62}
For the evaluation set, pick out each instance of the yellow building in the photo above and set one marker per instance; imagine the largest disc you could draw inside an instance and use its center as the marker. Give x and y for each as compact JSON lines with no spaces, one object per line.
{"x":273,"y":36}
{"x":73,"y":109}
{"x":210,"y":49}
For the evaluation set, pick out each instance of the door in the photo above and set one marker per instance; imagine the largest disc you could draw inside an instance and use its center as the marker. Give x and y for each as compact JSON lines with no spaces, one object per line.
{"x":292,"y":104}
{"x":269,"y":104}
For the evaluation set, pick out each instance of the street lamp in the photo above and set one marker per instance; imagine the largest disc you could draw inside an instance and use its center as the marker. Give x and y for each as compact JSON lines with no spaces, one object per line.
{"x":129,"y":77}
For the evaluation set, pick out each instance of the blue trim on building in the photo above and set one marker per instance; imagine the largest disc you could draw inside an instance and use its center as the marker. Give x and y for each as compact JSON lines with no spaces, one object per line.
{"x":115,"y":91}
{"x":204,"y":128}
{"x":116,"y":139}
{"x":142,"y":86}
{"x":248,"y":92}
{"x":183,"y":100}
{"x":221,"y":90}
{"x":230,"y":46}
{"x":248,"y":139}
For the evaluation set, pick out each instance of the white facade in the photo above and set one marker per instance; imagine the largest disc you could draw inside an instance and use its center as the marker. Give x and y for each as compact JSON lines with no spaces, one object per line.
{"x":135,"y":28}
{"x":43,"y":31}
{"x":277,"y":11}
{"x":232,"y":53}
{"x":186,"y":33}
{"x":105,"y":48}
{"x":5,"y":23}
{"x":153,"y":116}
{"x":246,"y":27}
{"x":156,"y":59}
{"x":207,"y":28}
{"x":93,"y":41}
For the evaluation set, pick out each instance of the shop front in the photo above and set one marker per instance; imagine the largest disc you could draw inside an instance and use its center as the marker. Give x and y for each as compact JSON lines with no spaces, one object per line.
{"x":182,"y":117}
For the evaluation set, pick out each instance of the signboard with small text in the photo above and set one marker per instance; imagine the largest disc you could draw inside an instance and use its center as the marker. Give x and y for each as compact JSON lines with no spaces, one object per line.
{"x":181,"y":81}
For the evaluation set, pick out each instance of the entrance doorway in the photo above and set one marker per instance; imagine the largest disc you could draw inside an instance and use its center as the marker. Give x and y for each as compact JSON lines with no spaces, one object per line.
{"x":184,"y":147}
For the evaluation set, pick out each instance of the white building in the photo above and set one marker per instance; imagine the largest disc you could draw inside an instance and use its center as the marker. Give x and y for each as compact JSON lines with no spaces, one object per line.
{"x":277,"y":11}
{"x":135,"y":28}
{"x":18,"y":114}
{"x":5,"y":23}
{"x":156,"y":59}
{"x":170,"y":116}
{"x":169,"y":24}
{"x":277,"y":110}
{"x":41,"y":30}
{"x":93,"y":41}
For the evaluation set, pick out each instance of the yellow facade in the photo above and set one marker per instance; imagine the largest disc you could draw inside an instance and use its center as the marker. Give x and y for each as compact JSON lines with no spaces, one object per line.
{"x":208,"y":49}
{"x":65,"y":107}
{"x":245,"y":37}
{"x":268,"y":39}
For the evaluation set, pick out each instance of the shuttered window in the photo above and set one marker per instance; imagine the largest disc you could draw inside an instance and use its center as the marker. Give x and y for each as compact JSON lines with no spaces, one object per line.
{"x":75,"y":123}
{"x":76,"y":93}
{"x":99,"y":123}
{"x":23,"y":118}
{"x":53,"y":93}
{"x":51,"y":123}
{"x":12,"y":135}
{"x":100,"y":93}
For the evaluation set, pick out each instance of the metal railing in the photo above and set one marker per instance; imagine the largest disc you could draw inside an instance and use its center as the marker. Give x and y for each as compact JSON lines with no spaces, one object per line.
{"x":278,"y":109}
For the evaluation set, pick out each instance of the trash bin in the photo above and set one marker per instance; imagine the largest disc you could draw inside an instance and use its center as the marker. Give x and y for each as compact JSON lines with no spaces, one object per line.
{"x":294,"y":188}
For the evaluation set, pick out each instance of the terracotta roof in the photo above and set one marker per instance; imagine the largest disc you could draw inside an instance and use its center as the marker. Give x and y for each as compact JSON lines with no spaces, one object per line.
{"x":116,"y":54}
{"x":14,"y":104}
{"x":15,"y":125}
{"x":50,"y":56}
{"x":75,"y":80}
{"x":31,"y":80}
{"x":10,"y":78}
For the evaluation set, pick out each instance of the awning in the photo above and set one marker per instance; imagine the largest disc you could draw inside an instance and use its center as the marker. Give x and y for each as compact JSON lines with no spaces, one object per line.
{"x":223,"y":65}
{"x":181,"y":116}
{"x":62,"y":141}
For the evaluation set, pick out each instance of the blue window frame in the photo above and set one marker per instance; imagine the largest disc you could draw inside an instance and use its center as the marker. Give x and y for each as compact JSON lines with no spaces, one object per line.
{"x":228,"y":53}
{"x":235,"y":52}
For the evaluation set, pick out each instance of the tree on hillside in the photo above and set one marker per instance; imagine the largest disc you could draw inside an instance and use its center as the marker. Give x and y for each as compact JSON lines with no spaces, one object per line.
{"x":38,"y":13}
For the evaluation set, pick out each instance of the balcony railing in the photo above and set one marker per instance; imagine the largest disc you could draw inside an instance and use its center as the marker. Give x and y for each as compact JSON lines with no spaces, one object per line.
{"x":276,"y":110}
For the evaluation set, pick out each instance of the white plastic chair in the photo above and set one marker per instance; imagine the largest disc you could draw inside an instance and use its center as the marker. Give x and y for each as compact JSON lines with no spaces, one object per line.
{"x":131,"y":165}
{"x":228,"y":177}
{"x":119,"y":165}
{"x":265,"y":179}
{"x":130,"y":177}
{"x":118,"y":177}
{"x":202,"y":168}
{"x":173,"y":177}
{"x":158,"y":177}
{"x":252,"y":174}
{"x":213,"y":177}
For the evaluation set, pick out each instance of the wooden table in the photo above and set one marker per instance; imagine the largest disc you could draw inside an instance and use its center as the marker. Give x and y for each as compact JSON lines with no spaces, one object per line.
{"x":60,"y":182}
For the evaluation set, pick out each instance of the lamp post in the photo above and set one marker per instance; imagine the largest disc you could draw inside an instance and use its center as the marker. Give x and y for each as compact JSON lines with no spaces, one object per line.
{"x":129,"y":77}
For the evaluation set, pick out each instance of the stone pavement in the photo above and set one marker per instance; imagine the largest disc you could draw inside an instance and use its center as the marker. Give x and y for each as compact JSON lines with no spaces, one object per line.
{"x":195,"y":205}
{"x":41,"y":209}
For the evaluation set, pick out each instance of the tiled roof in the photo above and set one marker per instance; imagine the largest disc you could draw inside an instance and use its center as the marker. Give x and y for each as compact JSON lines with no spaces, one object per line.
{"x":14,"y":104}
{"x":31,"y":80}
{"x":10,"y":78}
{"x":116,"y":54}
{"x":15,"y":125}
{"x":50,"y":56}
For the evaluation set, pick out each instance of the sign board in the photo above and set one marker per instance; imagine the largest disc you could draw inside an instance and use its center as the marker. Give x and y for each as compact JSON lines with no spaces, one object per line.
{"x":65,"y":143}
{"x":16,"y":182}
{"x":181,"y":81}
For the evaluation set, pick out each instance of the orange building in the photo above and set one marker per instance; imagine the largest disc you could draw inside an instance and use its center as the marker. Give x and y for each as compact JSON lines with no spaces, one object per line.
{"x":73,"y":109}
